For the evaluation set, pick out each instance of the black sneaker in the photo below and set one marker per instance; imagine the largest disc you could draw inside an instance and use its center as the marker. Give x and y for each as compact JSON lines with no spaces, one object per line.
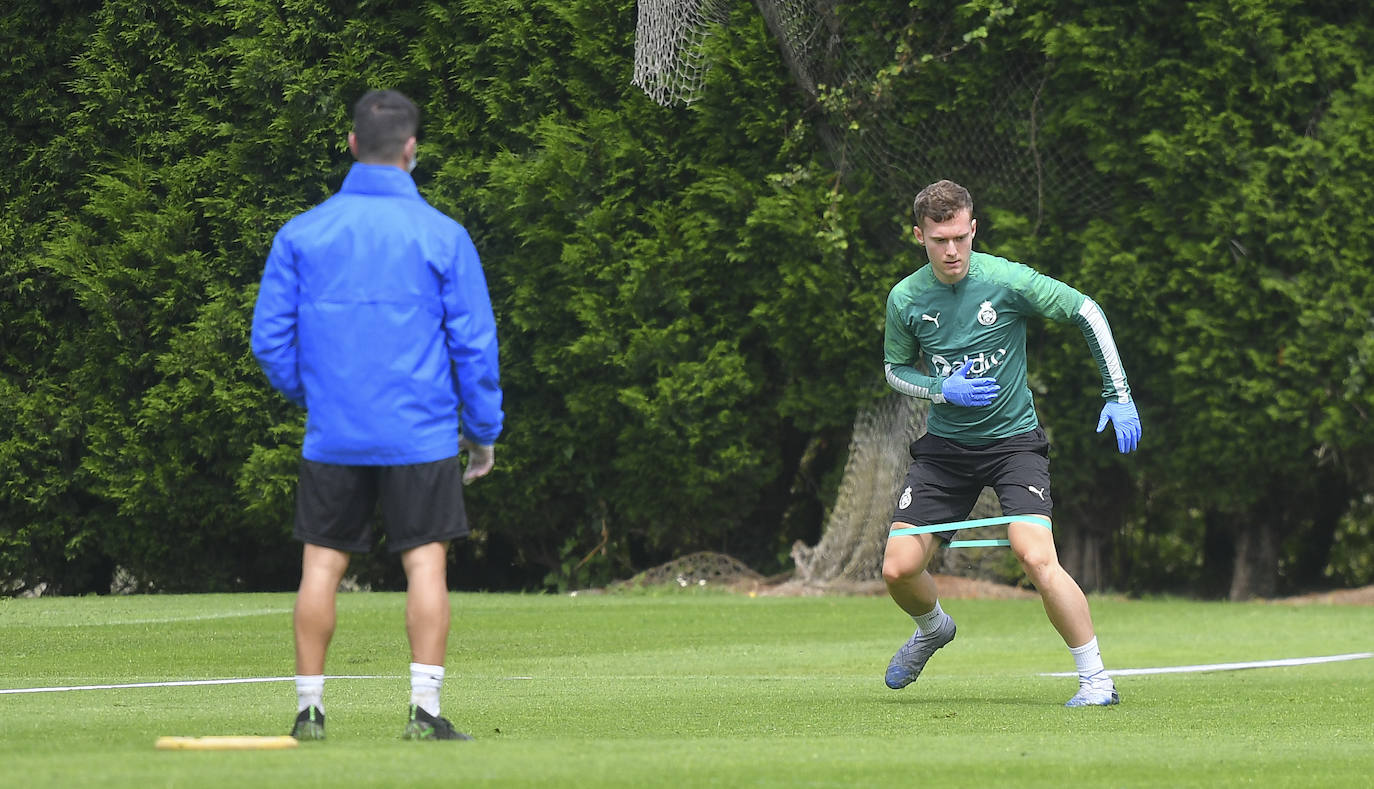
{"x":309,"y":724}
{"x":423,"y":726}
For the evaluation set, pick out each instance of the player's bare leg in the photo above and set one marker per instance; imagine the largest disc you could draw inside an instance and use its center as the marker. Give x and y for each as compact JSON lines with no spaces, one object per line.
{"x":1064,"y":601}
{"x":904,"y":572}
{"x":913,"y":589}
{"x":1067,"y":608}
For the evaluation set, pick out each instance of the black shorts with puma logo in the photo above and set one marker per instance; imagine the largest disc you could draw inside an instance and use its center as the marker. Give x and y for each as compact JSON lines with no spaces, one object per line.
{"x":945,"y":478}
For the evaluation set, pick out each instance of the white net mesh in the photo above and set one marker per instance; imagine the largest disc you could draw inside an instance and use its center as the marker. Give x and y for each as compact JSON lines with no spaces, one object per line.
{"x":992,"y":142}
{"x":852,"y":541}
{"x":989,"y":137}
{"x":705,"y":568}
{"x":669,"y":38}
{"x":854,"y":536}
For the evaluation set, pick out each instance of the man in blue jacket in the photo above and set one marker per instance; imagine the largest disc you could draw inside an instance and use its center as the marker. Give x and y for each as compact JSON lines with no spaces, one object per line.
{"x":373,"y":315}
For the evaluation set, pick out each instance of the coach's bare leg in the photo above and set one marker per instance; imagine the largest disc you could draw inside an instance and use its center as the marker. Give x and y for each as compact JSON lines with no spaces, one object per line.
{"x":1064,"y":601}
{"x":321,"y":570}
{"x":427,"y":608}
{"x":904,"y":572}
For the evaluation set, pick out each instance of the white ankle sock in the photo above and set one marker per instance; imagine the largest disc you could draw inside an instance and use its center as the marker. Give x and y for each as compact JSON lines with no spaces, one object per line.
{"x":1088,"y":658}
{"x":929,"y":621}
{"x":425,"y":682}
{"x":309,"y":691}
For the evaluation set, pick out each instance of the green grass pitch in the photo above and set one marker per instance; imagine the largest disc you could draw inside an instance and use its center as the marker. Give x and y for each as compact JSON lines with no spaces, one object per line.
{"x":685,"y":689}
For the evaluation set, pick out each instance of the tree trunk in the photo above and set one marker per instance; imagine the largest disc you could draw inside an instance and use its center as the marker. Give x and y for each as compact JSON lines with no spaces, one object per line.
{"x":1218,"y":555}
{"x":1086,"y":527}
{"x":852,"y":540}
{"x":1256,"y":570}
{"x":854,"y":536}
{"x":1082,"y":552}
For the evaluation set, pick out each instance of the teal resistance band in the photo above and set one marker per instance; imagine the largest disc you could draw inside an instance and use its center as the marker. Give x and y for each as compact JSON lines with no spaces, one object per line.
{"x":1039,"y":520}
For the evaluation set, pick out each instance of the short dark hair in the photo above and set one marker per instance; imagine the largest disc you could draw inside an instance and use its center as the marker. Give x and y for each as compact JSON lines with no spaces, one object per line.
{"x":941,"y":201}
{"x":382,"y":122}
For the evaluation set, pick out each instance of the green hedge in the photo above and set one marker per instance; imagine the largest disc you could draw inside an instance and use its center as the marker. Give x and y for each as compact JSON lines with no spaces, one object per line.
{"x":689,"y":299}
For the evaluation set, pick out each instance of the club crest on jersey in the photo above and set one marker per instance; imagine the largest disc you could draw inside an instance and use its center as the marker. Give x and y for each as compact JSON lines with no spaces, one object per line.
{"x":905,"y":500}
{"x":986,"y":314}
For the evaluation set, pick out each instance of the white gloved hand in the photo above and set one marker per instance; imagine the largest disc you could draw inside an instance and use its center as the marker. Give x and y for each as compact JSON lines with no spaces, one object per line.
{"x":480,"y":459}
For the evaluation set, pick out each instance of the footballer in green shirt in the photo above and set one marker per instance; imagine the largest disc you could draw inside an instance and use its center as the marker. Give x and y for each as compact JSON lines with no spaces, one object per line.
{"x":956,"y":336}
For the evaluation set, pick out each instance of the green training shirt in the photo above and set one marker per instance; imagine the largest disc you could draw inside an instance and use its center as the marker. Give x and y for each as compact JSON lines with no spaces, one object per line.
{"x":933,"y":328}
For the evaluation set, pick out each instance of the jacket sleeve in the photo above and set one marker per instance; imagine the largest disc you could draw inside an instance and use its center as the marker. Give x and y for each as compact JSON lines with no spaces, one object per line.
{"x":470,"y":332}
{"x":274,"y":323}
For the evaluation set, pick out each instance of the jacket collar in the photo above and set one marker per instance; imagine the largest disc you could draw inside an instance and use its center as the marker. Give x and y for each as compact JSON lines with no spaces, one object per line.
{"x":379,"y":179}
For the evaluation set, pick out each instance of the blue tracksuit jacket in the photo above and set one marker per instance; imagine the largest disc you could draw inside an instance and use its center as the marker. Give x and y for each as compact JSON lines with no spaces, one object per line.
{"x":373,"y":314}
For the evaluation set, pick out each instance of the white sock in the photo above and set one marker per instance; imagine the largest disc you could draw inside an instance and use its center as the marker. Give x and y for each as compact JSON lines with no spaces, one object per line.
{"x":1089,"y":661}
{"x":929,"y":621}
{"x":425,"y":682}
{"x":309,"y":691}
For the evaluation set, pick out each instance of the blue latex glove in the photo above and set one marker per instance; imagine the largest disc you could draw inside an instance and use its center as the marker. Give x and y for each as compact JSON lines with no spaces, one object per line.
{"x":969,"y":391}
{"x":1126,"y":421}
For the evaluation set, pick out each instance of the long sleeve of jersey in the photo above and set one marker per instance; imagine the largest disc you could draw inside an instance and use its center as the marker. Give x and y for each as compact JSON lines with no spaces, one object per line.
{"x":900,"y":343}
{"x":1093,"y":323}
{"x":933,"y":328}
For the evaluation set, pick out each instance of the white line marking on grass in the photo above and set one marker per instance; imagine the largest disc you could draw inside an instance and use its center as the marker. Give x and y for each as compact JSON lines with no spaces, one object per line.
{"x":180,"y":683}
{"x":167,"y":619}
{"x":1126,"y":672}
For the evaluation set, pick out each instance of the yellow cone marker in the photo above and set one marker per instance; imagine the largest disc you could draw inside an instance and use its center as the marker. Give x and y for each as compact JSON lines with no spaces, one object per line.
{"x":231,"y":743}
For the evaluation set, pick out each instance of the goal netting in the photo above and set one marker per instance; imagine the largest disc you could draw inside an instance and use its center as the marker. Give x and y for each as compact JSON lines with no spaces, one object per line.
{"x":854,"y":534}
{"x":861,"y":77}
{"x":860,"y":73}
{"x":669,"y":40}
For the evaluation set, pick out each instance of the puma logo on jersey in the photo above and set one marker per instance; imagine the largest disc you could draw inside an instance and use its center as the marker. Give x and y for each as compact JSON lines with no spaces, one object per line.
{"x":935,"y":320}
{"x":1037,"y":491}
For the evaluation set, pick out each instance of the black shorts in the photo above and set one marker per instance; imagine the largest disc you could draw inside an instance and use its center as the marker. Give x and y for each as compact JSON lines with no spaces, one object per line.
{"x":421,"y":503}
{"x":946,"y":477}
